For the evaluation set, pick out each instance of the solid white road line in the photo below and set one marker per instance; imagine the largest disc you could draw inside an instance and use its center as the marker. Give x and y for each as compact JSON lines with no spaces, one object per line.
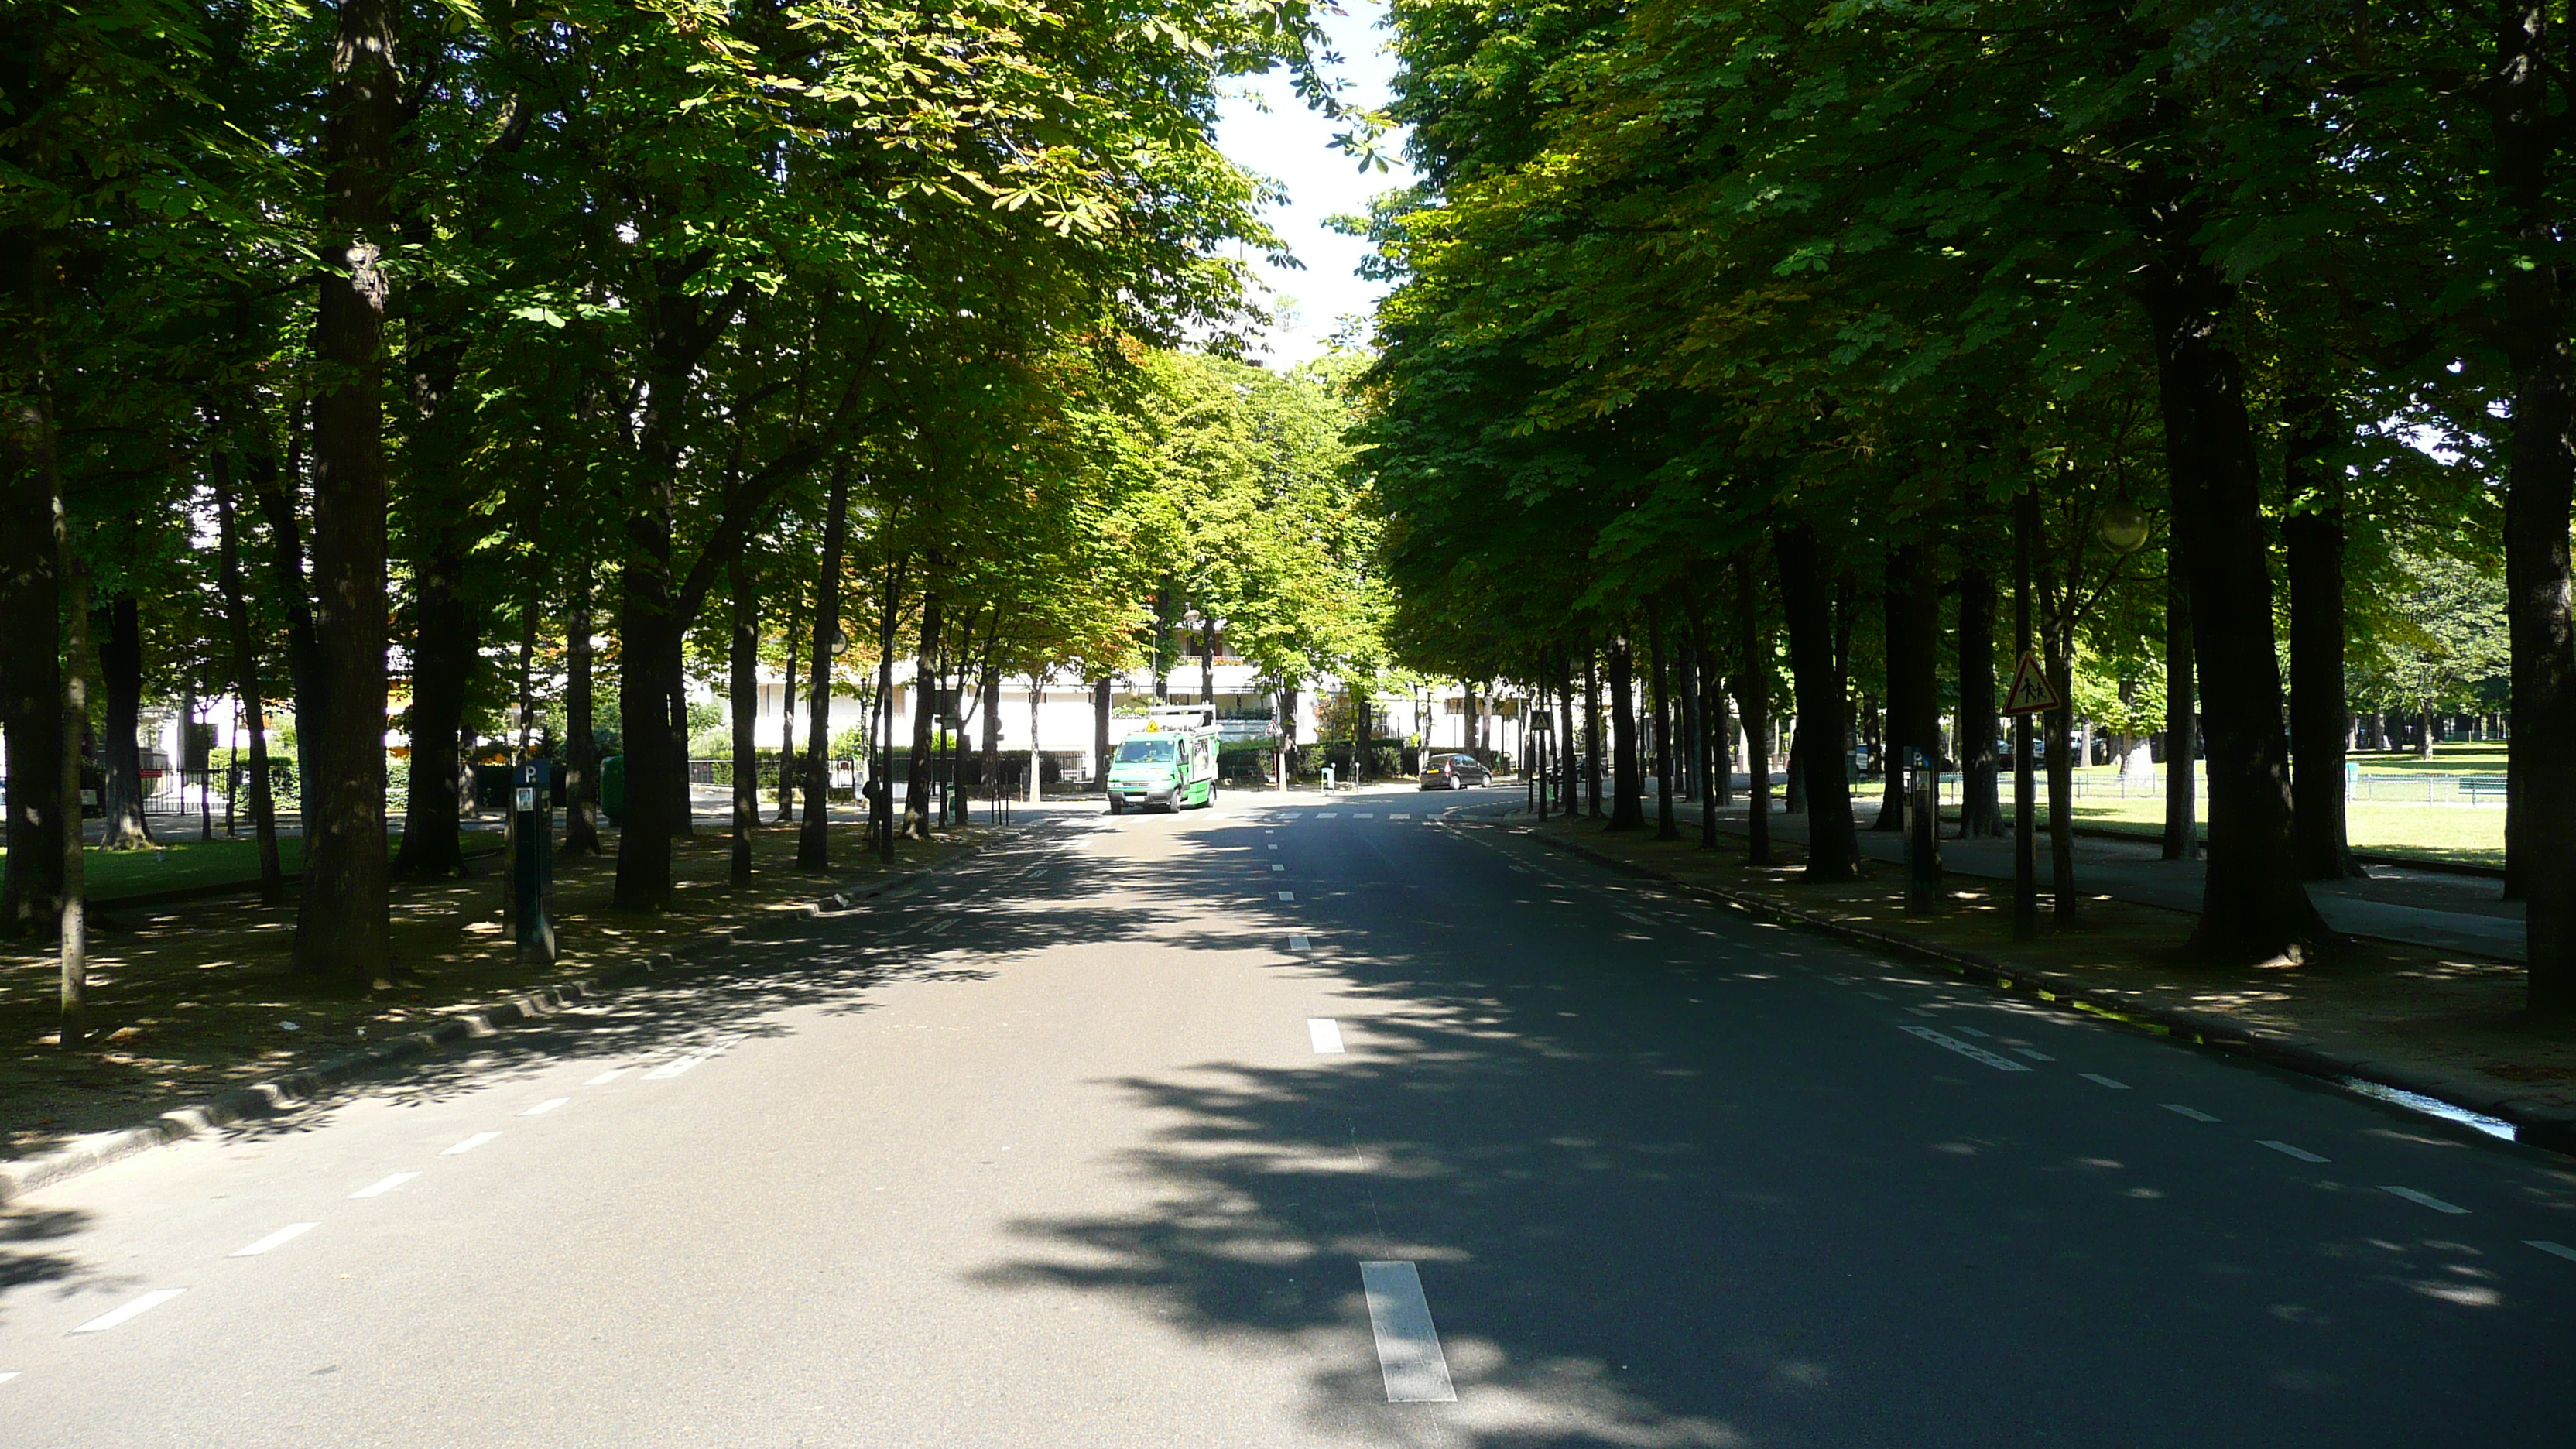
{"x":2035,"y":1054}
{"x":668,"y":1070}
{"x":130,"y":1311}
{"x":2560,"y":1250}
{"x":1975,"y":1053}
{"x":2100,"y":1080}
{"x":379,"y":1189}
{"x":277,"y":1239}
{"x":2301,"y":1153}
{"x":2194,"y":1113}
{"x":606,"y":1077}
{"x":542,"y":1108}
{"x":1325,"y":1033}
{"x":2424,"y":1199}
{"x":1408,"y":1346}
{"x":1287,"y":895}
{"x":469,"y":1144}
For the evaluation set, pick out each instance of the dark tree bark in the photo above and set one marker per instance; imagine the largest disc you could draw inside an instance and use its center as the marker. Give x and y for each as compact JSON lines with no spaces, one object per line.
{"x":2312,"y":536}
{"x":1659,"y":672}
{"x":1567,"y":747}
{"x":917,"y":775}
{"x":889,"y":614}
{"x":1592,"y":730}
{"x":787,"y":724}
{"x":340,"y":925}
{"x":2253,"y":906}
{"x":581,"y":748}
{"x":123,"y":827}
{"x":446,"y":647}
{"x":814,"y":837}
{"x":1100,"y":732}
{"x":1833,"y":842}
{"x":1981,"y":810}
{"x":270,"y":489}
{"x":31,"y":675}
{"x":1753,"y":697}
{"x":2540,"y":820}
{"x":744,"y":687}
{"x":1627,"y":788}
{"x":246,"y":682}
{"x":2182,"y":722}
{"x":1913,"y":622}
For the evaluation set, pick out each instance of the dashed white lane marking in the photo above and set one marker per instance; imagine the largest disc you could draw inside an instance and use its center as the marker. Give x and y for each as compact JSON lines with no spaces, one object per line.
{"x":1287,"y":895}
{"x":1328,"y":815}
{"x":1364,"y":815}
{"x":379,"y":1189}
{"x":1968,"y":1031}
{"x":668,"y":1070}
{"x":2423,"y":1199}
{"x":542,"y":1108}
{"x":1640,"y":920}
{"x":606,"y":1077}
{"x":2035,"y":1054}
{"x":470,"y":1143}
{"x":1300,"y":943}
{"x":1270,"y":847}
{"x":2286,"y":1150}
{"x":4,"y":1378}
{"x":1325,"y":1033}
{"x":1274,"y":865}
{"x":1974,"y":1053}
{"x":1878,"y":996}
{"x":2100,"y":1080}
{"x":1920,"y":1010}
{"x":2560,"y":1250}
{"x":1408,"y":1346}
{"x":130,"y":1311}
{"x":2194,"y":1113}
{"x":277,"y":1239}
{"x":1398,"y":815}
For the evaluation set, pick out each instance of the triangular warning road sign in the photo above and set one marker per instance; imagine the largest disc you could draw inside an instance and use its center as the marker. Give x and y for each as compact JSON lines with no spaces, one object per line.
{"x":2030,"y":692}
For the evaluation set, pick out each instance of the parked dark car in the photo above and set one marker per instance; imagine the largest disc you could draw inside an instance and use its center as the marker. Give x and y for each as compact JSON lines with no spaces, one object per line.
{"x":1454,"y":772}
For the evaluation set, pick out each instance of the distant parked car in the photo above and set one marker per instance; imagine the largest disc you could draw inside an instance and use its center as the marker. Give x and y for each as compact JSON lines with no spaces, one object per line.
{"x":1454,"y":772}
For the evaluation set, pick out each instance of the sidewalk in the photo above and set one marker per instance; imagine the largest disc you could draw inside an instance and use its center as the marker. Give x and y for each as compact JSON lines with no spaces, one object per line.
{"x":2417,"y":907}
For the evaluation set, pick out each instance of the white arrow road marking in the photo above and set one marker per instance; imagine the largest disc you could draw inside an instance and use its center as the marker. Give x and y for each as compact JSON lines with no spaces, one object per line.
{"x":1408,"y":1346}
{"x":1974,"y":1053}
{"x":132,"y":1311}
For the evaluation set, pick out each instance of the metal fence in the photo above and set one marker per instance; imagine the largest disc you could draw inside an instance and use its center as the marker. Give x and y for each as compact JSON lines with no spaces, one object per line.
{"x":2475,"y":791}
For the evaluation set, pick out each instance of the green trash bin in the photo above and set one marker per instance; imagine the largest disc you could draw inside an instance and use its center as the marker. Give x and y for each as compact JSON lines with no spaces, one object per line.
{"x":612,"y":787}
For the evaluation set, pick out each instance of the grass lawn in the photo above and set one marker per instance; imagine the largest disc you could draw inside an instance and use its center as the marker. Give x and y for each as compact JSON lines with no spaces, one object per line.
{"x":183,"y":864}
{"x":2474,"y":834}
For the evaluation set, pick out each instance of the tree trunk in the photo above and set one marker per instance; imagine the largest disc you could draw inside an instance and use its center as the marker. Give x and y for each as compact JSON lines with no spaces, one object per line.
{"x":787,"y":723}
{"x":1037,"y":757}
{"x":889,"y":615}
{"x":1591,"y":730}
{"x":989,"y":773}
{"x":1981,"y":810}
{"x":744,"y":687}
{"x":1833,"y":842}
{"x":246,"y":681}
{"x":2182,"y":720}
{"x":648,"y":642}
{"x":123,"y":827}
{"x":2064,"y":902}
{"x":917,"y":776}
{"x":304,"y":672}
{"x":445,"y":650}
{"x":2540,"y":819}
{"x":1100,"y":731}
{"x":1627,"y":789}
{"x":2253,"y":906}
{"x":74,"y":944}
{"x":340,"y":925}
{"x":814,"y":837}
{"x":31,"y":672}
{"x":581,"y":747}
{"x":1659,"y":673}
{"x":1753,"y":698}
{"x":1913,"y":693}
{"x":2312,"y":536}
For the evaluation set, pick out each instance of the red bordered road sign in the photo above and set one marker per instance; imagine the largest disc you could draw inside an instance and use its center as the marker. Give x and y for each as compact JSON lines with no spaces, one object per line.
{"x":2031,"y":692}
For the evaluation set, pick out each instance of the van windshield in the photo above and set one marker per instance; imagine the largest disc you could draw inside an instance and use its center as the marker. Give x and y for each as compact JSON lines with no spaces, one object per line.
{"x":1138,"y":752}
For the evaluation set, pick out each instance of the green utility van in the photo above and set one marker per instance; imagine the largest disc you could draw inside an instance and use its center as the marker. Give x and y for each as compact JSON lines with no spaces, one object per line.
{"x":1169,"y":763}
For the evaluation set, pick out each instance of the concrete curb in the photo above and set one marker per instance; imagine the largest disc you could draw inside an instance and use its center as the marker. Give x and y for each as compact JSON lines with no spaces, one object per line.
{"x":263,"y":1099}
{"x":2543,"y":1124}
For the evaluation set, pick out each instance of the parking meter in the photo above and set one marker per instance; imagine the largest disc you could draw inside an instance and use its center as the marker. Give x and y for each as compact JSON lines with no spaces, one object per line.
{"x":1923,"y":833}
{"x":532,"y":861}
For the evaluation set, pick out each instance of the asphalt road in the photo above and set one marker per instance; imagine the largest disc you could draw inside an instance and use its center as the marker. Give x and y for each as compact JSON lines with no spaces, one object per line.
{"x":1055,"y":1152}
